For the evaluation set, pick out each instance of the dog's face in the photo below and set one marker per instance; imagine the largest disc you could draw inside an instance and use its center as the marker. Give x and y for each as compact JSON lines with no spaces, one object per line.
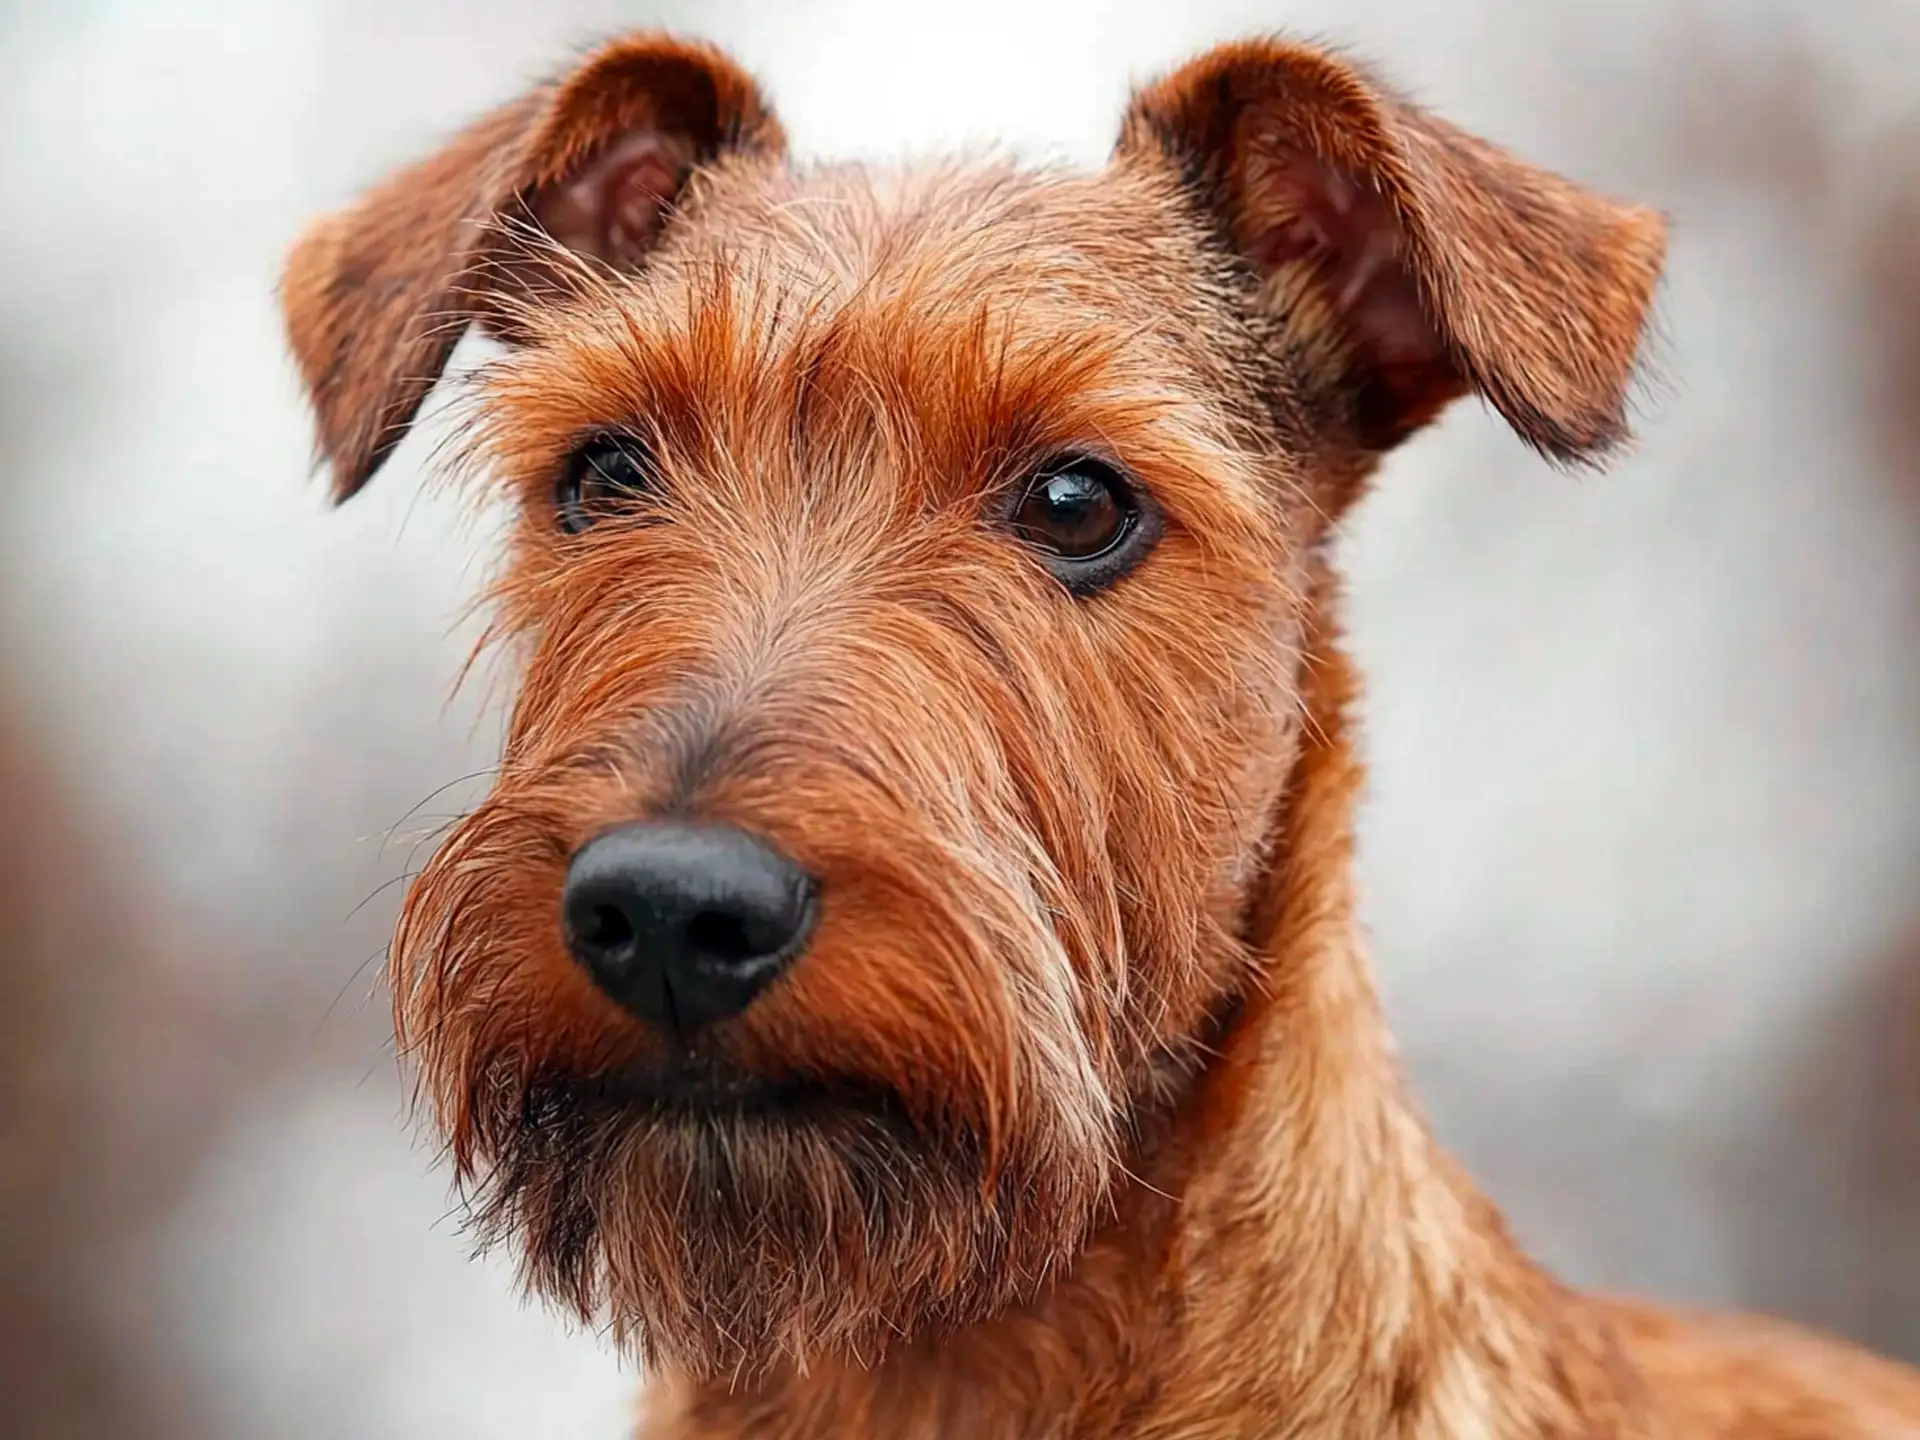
{"x":909,"y":578}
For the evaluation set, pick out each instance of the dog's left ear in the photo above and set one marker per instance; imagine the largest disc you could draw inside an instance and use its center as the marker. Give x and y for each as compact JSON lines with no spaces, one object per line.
{"x":1404,"y":262}
{"x":376,"y":297}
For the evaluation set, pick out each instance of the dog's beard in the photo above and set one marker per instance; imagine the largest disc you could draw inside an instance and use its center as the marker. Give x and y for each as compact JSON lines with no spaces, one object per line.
{"x":723,"y":1240}
{"x":724,"y":1221}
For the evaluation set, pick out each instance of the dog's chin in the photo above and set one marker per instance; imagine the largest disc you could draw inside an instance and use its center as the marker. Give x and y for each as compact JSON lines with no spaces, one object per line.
{"x":724,"y":1223}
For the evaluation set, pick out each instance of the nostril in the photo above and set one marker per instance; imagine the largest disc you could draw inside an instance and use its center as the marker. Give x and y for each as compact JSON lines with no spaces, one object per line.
{"x":605,"y":928}
{"x":724,"y":937}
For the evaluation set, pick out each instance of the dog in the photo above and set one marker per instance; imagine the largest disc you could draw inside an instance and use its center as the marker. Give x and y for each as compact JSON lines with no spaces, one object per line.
{"x":904,"y":980}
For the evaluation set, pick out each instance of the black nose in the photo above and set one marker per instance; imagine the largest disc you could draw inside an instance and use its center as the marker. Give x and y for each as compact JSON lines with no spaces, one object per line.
{"x":685,"y":924}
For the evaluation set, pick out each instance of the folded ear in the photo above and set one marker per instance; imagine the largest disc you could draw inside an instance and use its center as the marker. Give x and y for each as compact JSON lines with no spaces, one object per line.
{"x":376,"y":296}
{"x":1404,"y":262}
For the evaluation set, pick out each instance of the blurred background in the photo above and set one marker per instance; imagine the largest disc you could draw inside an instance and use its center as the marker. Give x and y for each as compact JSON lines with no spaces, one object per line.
{"x":1643,"y":846}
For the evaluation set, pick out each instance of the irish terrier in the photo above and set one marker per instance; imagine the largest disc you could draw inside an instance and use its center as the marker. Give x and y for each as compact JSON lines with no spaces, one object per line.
{"x":905,"y":978}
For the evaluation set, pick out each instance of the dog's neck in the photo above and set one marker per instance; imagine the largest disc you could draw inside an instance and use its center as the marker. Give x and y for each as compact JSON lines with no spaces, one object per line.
{"x":1297,"y":1259}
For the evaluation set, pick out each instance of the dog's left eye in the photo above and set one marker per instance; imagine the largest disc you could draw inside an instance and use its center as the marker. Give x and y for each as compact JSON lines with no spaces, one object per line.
{"x":603,"y":474}
{"x":1081,"y":515}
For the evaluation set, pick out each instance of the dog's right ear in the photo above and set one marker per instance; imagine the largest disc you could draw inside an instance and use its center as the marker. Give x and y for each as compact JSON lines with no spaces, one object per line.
{"x":376,"y":296}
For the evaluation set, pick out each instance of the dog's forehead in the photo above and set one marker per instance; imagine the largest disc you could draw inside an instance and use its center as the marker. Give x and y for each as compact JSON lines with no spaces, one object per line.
{"x":979,"y":286}
{"x":983,"y":227}
{"x":913,"y":321}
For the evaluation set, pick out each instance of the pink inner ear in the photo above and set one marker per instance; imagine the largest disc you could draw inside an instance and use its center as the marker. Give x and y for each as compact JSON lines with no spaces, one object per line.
{"x":1319,"y":215}
{"x":614,"y":206}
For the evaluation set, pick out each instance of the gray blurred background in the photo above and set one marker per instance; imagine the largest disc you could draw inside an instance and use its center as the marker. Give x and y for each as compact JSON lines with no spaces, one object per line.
{"x":1643,"y":848}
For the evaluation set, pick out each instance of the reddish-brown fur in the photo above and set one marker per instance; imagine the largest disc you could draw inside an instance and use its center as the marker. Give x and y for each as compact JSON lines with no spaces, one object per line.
{"x":1095,"y":1128}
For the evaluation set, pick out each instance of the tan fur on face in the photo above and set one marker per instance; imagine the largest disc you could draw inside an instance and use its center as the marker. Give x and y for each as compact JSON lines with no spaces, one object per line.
{"x":1088,"y":1125}
{"x":815,"y":635}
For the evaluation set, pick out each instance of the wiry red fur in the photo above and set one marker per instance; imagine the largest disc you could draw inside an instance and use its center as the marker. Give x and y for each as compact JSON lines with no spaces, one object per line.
{"x":1094,"y":1127}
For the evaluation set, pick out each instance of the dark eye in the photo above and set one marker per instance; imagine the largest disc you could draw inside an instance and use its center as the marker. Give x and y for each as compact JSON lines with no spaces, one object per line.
{"x":1081,"y":515}
{"x":602,"y":475}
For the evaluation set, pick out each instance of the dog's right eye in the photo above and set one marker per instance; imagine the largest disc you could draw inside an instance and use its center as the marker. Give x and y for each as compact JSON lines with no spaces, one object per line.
{"x":607,"y":472}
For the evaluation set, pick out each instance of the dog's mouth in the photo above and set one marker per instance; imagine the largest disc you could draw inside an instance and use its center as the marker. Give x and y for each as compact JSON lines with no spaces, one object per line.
{"x":693,"y":1084}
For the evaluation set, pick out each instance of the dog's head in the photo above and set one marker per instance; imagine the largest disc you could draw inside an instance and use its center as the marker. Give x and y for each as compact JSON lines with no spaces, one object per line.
{"x":909,"y":582}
